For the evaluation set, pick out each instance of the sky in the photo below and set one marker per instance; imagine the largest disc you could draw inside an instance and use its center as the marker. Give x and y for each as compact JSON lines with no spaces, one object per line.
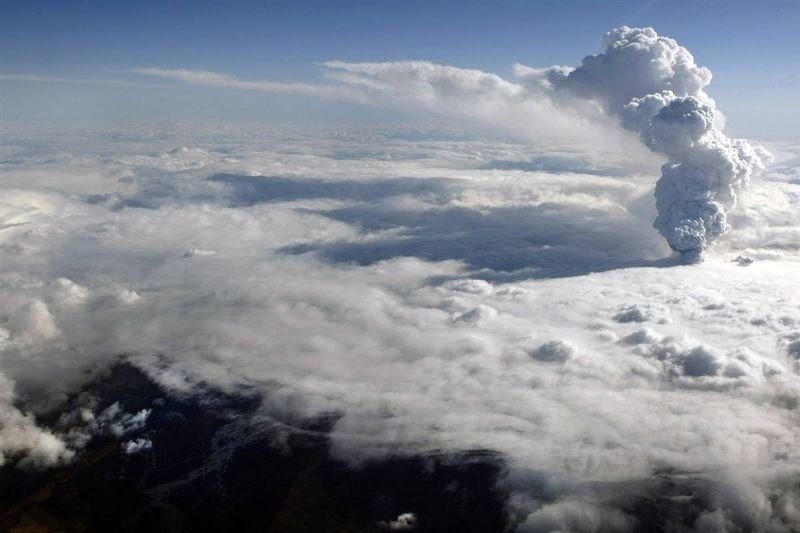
{"x":751,"y":48}
{"x":446,"y":245}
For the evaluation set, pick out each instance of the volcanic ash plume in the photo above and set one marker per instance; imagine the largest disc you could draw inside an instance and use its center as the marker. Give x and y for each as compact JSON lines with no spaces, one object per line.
{"x":654,"y":87}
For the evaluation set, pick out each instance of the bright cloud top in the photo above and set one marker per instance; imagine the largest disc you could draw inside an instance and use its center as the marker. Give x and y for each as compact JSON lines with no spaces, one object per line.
{"x":657,"y":90}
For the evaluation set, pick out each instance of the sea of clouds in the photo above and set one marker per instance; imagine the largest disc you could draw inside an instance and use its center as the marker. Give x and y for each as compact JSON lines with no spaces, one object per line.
{"x":437,"y":288}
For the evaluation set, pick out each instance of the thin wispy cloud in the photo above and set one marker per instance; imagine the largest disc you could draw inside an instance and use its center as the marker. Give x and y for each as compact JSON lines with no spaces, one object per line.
{"x":89,"y":81}
{"x":420,"y":81}
{"x":424,"y":87}
{"x":216,"y":79}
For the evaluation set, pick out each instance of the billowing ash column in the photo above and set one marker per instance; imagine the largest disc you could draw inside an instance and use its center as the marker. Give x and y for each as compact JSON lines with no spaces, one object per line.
{"x":654,"y":87}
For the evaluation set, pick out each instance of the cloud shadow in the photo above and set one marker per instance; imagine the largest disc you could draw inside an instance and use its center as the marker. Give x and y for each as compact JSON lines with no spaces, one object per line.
{"x":552,"y":164}
{"x":250,"y":190}
{"x":503,"y":243}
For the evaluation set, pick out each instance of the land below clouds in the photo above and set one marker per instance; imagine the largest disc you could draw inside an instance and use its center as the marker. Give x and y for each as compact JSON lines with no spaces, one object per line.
{"x":215,"y":465}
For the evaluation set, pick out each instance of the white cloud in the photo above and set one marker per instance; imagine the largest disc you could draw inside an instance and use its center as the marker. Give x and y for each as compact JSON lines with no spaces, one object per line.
{"x":654,"y":86}
{"x":21,"y":438}
{"x":344,"y":260}
{"x":135,"y":446}
{"x":404,"y":522}
{"x":467,"y":95}
{"x":215,"y":79}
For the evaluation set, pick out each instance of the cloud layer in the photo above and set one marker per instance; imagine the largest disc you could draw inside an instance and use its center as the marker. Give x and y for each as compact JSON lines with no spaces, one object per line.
{"x":435,"y":290}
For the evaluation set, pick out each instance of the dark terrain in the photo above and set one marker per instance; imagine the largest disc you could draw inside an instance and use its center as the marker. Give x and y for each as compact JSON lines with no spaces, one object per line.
{"x":216,"y":465}
{"x":212,"y":469}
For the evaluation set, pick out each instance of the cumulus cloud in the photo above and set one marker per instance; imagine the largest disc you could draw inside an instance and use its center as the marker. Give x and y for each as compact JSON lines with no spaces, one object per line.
{"x":22,"y":439}
{"x":404,"y":522}
{"x":117,"y":422}
{"x":573,"y":515}
{"x":654,"y":86}
{"x":553,"y":351}
{"x":135,"y":446}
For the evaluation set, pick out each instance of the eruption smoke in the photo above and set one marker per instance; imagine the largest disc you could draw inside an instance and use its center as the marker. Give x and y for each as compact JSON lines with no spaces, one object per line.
{"x":648,"y":82}
{"x":654,"y":87}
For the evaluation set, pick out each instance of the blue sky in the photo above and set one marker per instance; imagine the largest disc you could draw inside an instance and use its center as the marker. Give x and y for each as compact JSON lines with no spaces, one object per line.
{"x":752,"y":48}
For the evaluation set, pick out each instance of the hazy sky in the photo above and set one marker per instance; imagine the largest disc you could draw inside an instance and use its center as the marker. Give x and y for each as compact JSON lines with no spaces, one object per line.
{"x":752,"y":49}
